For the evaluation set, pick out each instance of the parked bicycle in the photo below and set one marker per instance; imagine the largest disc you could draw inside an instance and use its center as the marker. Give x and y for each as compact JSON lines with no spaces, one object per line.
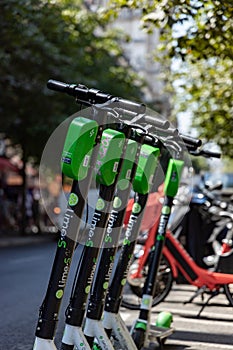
{"x":177,"y":261}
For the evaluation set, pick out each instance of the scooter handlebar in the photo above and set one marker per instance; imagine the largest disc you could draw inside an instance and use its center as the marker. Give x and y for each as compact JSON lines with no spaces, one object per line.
{"x":210,"y":154}
{"x":58,"y":86}
{"x":206,"y":153}
{"x":191,"y":140}
{"x":157,"y":123}
{"x":93,"y":96}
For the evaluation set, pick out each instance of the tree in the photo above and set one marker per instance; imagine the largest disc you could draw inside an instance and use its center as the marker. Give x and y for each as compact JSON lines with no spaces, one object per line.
{"x":205,"y":88}
{"x":198,"y":35}
{"x":62,"y":40}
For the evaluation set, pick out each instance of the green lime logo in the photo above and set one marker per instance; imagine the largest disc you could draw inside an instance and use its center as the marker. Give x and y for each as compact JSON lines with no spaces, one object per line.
{"x":100,"y":204}
{"x":123,"y":282}
{"x":105,"y":285}
{"x":160,"y":238}
{"x":59,"y":294}
{"x":136,"y":208}
{"x":89,"y":243}
{"x":146,"y":301}
{"x":117,"y":202}
{"x":126,"y":241}
{"x":87,"y":289}
{"x":73,"y":199}
{"x":166,"y":210}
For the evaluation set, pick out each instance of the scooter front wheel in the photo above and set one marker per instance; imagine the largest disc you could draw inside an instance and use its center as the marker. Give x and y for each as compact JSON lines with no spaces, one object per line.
{"x":134,"y":287}
{"x":139,"y":337}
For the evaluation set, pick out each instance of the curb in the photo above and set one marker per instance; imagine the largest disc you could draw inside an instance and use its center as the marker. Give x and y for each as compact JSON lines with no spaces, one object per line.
{"x":22,"y":241}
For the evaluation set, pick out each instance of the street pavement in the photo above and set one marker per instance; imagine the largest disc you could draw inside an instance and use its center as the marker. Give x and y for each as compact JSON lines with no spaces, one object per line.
{"x":16,"y":240}
{"x":25,"y":270}
{"x":213,"y":330}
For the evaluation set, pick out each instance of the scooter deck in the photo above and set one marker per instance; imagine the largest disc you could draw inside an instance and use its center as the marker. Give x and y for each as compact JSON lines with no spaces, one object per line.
{"x":159,"y":333}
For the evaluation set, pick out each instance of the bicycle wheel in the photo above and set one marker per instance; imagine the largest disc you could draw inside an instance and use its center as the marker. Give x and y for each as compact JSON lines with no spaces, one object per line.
{"x":134,"y":287}
{"x":139,"y":336}
{"x":228,"y":289}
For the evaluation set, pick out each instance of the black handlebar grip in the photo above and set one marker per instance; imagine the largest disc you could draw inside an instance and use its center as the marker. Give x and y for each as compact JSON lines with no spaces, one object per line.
{"x":79,"y":91}
{"x":191,"y":140}
{"x":210,"y":154}
{"x":192,"y":149}
{"x":57,"y":86}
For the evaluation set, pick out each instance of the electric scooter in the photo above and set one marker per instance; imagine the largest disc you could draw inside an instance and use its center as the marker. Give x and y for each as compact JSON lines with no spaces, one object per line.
{"x":84,"y":134}
{"x":91,"y":326}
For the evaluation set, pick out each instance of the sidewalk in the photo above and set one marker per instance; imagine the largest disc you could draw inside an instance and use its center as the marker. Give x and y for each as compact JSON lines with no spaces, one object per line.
{"x":13,"y":239}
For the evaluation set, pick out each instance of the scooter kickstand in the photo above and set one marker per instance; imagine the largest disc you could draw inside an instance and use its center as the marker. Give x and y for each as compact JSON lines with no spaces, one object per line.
{"x":199,"y":291}
{"x":213,"y":294}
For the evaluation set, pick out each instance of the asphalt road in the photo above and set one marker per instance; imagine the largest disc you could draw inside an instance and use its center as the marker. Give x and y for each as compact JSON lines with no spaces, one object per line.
{"x":25,"y":270}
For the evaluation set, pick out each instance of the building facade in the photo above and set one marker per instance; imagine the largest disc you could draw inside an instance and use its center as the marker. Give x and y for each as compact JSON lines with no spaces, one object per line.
{"x":139,"y":51}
